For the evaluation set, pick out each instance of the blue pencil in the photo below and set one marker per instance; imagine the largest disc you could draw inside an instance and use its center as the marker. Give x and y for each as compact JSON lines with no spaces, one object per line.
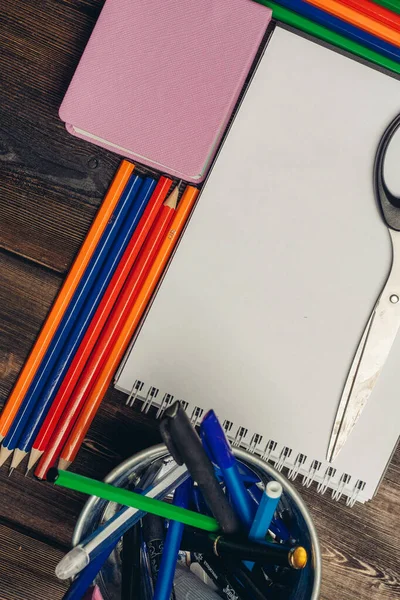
{"x":165,"y":579}
{"x":127,"y":222}
{"x":338,"y":26}
{"x":77,"y":317}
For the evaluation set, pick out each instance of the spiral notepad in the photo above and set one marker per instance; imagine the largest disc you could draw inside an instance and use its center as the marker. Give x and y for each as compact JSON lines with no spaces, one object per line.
{"x":264,"y":303}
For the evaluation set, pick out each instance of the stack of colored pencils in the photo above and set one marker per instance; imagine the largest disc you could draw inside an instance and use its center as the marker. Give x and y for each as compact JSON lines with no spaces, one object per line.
{"x":92,"y":320}
{"x":365,"y":28}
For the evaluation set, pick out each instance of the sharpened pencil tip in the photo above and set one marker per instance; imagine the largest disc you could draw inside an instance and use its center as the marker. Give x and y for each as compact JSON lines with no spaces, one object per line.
{"x":10,"y":470}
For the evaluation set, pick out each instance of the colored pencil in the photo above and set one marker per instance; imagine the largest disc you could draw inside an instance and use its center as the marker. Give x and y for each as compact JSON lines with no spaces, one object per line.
{"x":64,"y":296}
{"x":78,"y":433}
{"x":110,"y":332}
{"x":343,"y":28}
{"x":99,"y":320}
{"x":128,"y":222}
{"x":77,"y":317}
{"x":375,"y":11}
{"x":359,"y":20}
{"x":393,"y":5}
{"x":297,"y":21}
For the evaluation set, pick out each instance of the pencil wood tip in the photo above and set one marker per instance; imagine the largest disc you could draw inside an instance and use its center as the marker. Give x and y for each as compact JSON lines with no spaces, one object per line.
{"x":63,"y":464}
{"x":172,"y":199}
{"x":4,"y":454}
{"x":17,"y":458}
{"x":33,"y":458}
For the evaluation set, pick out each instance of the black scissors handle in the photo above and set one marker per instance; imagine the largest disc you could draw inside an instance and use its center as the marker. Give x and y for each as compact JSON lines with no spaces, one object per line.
{"x":389,"y":203}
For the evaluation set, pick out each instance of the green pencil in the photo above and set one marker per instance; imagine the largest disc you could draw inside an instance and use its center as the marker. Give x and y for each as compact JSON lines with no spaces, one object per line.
{"x":106,"y":491}
{"x":279,"y":13}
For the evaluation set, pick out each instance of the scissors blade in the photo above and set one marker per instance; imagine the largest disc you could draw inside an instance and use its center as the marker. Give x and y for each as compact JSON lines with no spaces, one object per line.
{"x":372,"y":352}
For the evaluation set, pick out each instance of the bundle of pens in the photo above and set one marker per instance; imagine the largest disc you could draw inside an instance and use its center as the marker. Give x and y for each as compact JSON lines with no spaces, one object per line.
{"x":91,"y":323}
{"x":242,"y":535}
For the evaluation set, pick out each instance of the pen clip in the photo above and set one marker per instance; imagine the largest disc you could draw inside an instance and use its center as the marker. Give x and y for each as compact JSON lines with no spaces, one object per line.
{"x":168,"y":441}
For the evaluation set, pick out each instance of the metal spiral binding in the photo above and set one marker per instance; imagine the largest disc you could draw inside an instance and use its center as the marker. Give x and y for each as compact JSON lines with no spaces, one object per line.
{"x":240,"y":435}
{"x":323,"y":485}
{"x":227,"y":426}
{"x":269,"y":449}
{"x":238,"y":439}
{"x":298,"y":463}
{"x":313,"y":470}
{"x":338,"y":492}
{"x":351,"y":500}
{"x":196,"y":415}
{"x":184,"y":404}
{"x":285,"y":453}
{"x":136,"y":388}
{"x":165,"y":402}
{"x":255,"y":440}
{"x":151,"y":396}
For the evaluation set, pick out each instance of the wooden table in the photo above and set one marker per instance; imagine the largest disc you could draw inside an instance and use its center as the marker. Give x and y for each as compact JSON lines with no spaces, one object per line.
{"x":51,"y":187}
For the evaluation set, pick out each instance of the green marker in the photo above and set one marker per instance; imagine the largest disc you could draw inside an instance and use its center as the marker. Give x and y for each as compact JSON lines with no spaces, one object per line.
{"x":124,"y":497}
{"x":279,"y":13}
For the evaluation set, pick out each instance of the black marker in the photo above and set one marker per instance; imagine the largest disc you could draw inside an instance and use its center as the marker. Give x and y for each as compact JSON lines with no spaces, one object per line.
{"x":228,"y":587}
{"x":153,"y":535}
{"x":233,"y":547}
{"x":185,"y":446}
{"x":130,"y":572}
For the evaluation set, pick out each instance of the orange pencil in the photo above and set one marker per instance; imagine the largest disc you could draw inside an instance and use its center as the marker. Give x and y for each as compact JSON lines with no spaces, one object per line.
{"x":92,"y":404}
{"x":110,"y":332}
{"x":70,"y":284}
{"x":67,"y":388}
{"x":358,"y":19}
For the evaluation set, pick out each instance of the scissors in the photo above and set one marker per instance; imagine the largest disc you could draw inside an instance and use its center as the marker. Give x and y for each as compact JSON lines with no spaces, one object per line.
{"x":383,"y":324}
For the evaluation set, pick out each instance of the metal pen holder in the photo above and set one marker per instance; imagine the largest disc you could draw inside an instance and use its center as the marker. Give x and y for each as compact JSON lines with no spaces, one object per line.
{"x":96,"y":511}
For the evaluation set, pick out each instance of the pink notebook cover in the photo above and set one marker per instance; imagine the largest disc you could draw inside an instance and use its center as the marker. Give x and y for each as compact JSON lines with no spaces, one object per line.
{"x":159,"y":79}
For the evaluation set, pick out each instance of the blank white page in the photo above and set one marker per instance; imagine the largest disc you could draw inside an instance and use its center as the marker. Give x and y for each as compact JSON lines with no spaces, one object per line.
{"x":264,"y":303}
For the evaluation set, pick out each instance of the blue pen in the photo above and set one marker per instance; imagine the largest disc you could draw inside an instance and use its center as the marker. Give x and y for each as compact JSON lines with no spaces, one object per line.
{"x":109,"y":533}
{"x":77,"y":318}
{"x":172,"y":544}
{"x":145,"y":574}
{"x":278,"y":527}
{"x":342,"y":27}
{"x":213,"y":436}
{"x":265,"y":511}
{"x":86,"y":577}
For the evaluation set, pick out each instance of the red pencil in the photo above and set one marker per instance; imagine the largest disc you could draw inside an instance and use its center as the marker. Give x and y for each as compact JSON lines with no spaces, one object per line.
{"x":379,"y":13}
{"x":109,"y":334}
{"x":99,"y":320}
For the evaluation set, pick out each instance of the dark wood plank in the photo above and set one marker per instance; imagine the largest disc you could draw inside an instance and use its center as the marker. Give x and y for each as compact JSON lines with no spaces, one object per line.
{"x":27,"y":567}
{"x":52,"y":184}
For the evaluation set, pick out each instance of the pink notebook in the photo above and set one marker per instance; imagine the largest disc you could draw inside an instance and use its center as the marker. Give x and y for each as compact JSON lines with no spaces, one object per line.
{"x":159,"y":79}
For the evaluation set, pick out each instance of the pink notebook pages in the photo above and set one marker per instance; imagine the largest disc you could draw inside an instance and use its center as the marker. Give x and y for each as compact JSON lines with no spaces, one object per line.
{"x":158,"y":81}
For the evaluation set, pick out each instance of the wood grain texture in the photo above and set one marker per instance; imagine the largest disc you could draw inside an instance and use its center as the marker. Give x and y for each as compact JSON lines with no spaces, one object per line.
{"x":25,"y":564}
{"x":52,"y":184}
